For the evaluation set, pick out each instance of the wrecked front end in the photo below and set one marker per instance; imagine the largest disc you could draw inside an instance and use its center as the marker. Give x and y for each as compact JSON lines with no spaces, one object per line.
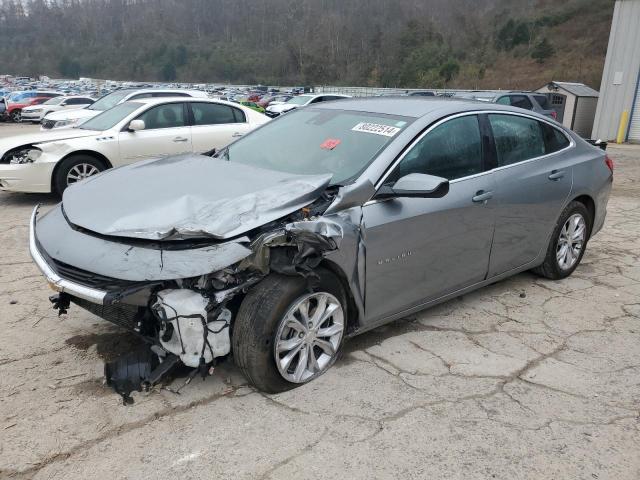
{"x":180,"y":296}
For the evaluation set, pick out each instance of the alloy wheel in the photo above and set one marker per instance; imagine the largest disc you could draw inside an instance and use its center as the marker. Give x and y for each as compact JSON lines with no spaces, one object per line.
{"x":16,"y":116}
{"x":571,"y":241}
{"x":80,"y":172}
{"x":308,"y":337}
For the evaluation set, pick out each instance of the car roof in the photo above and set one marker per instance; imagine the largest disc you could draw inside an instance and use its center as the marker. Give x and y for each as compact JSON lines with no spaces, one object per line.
{"x":159,"y":100}
{"x":417,"y":107}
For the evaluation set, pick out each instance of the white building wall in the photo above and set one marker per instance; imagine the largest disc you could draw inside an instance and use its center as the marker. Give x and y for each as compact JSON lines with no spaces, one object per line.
{"x":583,"y":118}
{"x":621,"y":69}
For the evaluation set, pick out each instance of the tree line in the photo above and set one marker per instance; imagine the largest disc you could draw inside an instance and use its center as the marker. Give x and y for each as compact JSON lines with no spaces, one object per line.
{"x":395,"y":43}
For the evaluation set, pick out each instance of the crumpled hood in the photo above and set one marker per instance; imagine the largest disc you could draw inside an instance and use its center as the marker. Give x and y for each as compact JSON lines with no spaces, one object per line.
{"x":42,"y":137}
{"x":187,"y":196}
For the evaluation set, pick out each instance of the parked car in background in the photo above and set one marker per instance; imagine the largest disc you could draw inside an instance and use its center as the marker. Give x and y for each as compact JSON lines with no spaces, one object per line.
{"x":17,"y":101}
{"x":70,"y":118}
{"x":35,"y":113}
{"x":129,"y":132}
{"x":389,"y":205}
{"x":421,"y":93}
{"x":537,"y":102}
{"x":301,"y":101}
{"x":3,"y":107}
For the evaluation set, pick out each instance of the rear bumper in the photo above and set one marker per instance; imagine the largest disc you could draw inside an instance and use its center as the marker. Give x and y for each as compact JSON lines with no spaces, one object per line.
{"x":56,"y":282}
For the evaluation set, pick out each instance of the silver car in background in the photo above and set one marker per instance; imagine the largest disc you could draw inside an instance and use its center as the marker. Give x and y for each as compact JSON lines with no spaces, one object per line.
{"x":323,"y":224}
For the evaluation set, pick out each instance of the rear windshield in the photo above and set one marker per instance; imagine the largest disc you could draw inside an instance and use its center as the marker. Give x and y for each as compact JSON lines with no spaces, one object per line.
{"x":315,"y":141}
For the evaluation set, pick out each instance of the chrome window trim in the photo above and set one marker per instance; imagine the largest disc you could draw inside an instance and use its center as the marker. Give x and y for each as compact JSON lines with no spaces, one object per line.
{"x":395,"y":163}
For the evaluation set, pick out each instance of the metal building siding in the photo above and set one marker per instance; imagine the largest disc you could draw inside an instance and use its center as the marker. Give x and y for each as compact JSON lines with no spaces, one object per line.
{"x":634,"y":127}
{"x":622,"y":56}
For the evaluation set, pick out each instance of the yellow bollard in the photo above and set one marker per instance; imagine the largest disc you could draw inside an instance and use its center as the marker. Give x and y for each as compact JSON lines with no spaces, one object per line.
{"x":622,"y":128}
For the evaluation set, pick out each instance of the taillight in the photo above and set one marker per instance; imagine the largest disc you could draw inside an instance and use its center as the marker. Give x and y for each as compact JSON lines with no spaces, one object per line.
{"x":554,"y":114}
{"x":609,"y":162}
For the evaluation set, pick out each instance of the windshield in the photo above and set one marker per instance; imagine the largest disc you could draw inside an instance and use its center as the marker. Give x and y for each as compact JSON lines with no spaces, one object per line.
{"x":108,"y":101}
{"x":111,"y":117}
{"x":301,"y":100}
{"x":54,"y":101}
{"x":315,"y":141}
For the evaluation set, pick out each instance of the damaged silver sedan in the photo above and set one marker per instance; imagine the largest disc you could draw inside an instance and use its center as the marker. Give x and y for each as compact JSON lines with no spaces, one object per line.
{"x":323,"y":224}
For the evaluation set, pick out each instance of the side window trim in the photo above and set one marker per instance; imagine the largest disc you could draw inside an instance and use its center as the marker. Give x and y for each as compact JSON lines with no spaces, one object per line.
{"x":424,"y":132}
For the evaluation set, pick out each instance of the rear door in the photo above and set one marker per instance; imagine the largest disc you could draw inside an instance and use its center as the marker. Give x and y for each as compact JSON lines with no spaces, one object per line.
{"x":166,"y":132}
{"x":419,"y":249}
{"x":533,"y":180}
{"x":216,"y":125}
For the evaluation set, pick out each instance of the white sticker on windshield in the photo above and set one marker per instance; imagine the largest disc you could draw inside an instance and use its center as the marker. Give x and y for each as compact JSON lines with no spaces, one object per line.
{"x":376,"y":129}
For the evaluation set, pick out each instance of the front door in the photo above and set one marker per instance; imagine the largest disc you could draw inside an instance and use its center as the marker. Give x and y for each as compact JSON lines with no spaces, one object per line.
{"x":419,"y":249}
{"x":166,"y":133}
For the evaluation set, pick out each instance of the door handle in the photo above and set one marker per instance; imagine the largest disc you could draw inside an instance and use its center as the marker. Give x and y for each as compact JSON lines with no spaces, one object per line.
{"x":236,"y":135}
{"x":556,"y":174}
{"x":180,"y":139}
{"x":482,"y":196}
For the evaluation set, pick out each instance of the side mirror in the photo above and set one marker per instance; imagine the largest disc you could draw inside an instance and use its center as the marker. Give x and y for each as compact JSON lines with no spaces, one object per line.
{"x":136,"y":125}
{"x":415,"y":185}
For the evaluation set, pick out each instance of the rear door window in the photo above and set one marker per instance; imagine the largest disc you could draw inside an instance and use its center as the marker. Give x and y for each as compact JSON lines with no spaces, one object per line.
{"x":517,"y":138}
{"x":215,"y":114}
{"x":451,"y":150}
{"x":521,"y":101}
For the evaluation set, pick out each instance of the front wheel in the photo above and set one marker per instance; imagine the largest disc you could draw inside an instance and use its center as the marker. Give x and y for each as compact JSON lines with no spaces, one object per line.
{"x":568,"y":242}
{"x":284,"y":335}
{"x":16,"y":116}
{"x":74,"y":169}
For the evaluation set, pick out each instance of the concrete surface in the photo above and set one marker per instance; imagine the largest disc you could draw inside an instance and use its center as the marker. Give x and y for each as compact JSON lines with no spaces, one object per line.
{"x":526,"y":379}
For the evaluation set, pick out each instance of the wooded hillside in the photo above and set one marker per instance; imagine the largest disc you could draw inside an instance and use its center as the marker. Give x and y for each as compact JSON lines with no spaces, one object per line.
{"x":404,"y":43}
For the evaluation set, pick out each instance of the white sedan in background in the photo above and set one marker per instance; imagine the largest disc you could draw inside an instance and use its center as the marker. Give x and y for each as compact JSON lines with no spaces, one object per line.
{"x":129,"y":132}
{"x":35,"y":113}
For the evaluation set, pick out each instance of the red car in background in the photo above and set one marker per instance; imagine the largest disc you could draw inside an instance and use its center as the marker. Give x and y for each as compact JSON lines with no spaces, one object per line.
{"x":16,"y":101}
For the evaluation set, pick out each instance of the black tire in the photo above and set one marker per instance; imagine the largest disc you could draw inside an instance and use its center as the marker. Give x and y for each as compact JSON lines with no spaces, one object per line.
{"x":258,"y":318}
{"x":551,"y":268}
{"x":61,"y":172}
{"x":16,"y":116}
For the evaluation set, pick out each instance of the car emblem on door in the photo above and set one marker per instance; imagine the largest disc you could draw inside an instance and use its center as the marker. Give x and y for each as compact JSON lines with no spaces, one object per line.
{"x":401,"y":256}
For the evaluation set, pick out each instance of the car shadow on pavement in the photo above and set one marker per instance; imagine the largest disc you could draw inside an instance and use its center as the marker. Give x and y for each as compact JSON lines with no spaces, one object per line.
{"x":27,"y":199}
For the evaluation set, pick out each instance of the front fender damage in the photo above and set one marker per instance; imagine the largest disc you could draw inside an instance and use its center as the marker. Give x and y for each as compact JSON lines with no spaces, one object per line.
{"x":188,"y":321}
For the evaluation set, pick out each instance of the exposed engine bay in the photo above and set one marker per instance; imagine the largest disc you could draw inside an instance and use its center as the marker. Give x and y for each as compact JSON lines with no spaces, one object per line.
{"x":189,"y":321}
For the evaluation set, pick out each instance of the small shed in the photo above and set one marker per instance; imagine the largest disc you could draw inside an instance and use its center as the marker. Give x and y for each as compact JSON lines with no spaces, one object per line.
{"x":580,"y":105}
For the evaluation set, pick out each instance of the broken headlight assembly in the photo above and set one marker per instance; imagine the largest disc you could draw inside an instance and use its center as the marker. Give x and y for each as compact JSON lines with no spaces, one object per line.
{"x":22,"y":156}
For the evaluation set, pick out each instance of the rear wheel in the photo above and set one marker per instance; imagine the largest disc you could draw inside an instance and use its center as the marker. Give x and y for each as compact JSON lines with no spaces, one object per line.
{"x":568,"y":242}
{"x":74,"y":169}
{"x":284,"y":335}
{"x":16,"y":116}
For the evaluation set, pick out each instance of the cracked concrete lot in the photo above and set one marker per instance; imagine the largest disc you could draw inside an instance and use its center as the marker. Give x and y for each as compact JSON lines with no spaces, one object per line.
{"x":525,"y":379}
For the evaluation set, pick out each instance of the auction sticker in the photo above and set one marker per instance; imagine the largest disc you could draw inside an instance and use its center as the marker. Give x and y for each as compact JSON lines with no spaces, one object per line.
{"x":376,"y":129}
